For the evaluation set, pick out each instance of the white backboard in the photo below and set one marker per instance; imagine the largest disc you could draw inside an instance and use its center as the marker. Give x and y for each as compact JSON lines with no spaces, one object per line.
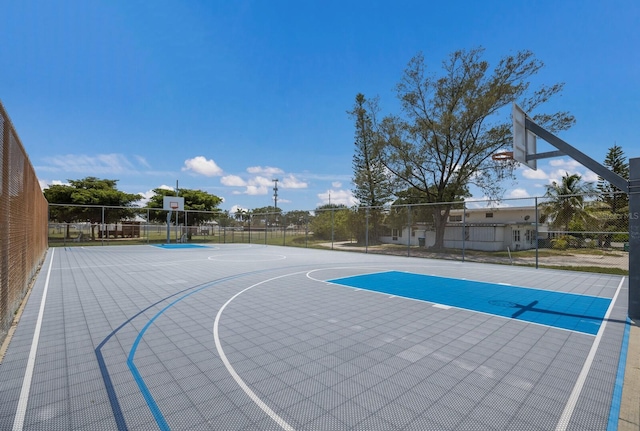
{"x":524,"y":141}
{"x":173,"y":203}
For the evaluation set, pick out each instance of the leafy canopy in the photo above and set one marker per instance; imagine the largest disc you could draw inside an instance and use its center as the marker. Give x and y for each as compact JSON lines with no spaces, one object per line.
{"x":199,"y":205}
{"x":451,"y":125}
{"x":91,"y":192}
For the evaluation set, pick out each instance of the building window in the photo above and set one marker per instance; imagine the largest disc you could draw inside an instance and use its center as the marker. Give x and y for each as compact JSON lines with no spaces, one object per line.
{"x":394,"y":234}
{"x":453,"y":218}
{"x":531,"y":234}
{"x":516,"y":236}
{"x":488,"y":215}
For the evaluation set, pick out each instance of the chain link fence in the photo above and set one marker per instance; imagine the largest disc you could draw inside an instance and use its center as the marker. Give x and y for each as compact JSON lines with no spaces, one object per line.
{"x":23,"y":221}
{"x":581,"y":232}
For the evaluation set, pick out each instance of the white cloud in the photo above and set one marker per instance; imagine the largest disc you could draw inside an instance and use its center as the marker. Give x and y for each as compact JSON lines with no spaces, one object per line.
{"x":267,"y":170}
{"x":260,"y":181}
{"x":202,"y":166}
{"x":146,"y":197}
{"x":232,"y":181}
{"x":235,"y":209}
{"x":94,"y":165}
{"x":291,"y":182}
{"x":142,"y":161}
{"x":256,"y":190}
{"x":44,"y":184}
{"x":569,"y":164}
{"x":530,"y":174}
{"x":590,"y":177}
{"x":336,"y":184}
{"x":337,"y":197}
{"x":518,"y":193}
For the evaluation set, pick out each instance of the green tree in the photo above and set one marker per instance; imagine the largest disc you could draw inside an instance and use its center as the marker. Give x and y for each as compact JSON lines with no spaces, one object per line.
{"x":61,"y":213}
{"x":453,"y":124}
{"x":567,"y":202}
{"x":373,"y":187}
{"x":200,"y":207}
{"x":267,"y":216}
{"x":615,"y":199}
{"x":331,"y":221}
{"x":298,"y":218}
{"x":225,"y":219}
{"x":91,"y":194}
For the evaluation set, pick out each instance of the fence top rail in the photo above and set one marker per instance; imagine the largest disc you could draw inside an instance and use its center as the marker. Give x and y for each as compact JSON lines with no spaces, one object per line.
{"x":493,"y":204}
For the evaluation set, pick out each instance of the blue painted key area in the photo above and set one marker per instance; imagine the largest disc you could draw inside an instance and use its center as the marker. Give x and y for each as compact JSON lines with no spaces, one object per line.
{"x":570,"y":311}
{"x":179,"y":245}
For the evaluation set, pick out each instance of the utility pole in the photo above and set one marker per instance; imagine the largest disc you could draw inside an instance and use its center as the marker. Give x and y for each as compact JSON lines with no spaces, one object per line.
{"x":275,"y":193}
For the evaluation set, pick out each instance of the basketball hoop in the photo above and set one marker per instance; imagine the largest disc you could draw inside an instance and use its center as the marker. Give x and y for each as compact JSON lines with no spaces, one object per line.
{"x":174,"y":205}
{"x":504,"y":156}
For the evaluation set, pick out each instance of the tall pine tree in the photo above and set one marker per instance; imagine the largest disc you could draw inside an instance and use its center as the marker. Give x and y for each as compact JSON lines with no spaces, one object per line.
{"x":372,"y":185}
{"x":616,"y":200}
{"x":617,"y":163}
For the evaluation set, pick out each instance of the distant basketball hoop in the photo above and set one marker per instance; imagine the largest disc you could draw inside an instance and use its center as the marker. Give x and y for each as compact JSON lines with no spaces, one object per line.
{"x":173,"y":203}
{"x":505,"y":155}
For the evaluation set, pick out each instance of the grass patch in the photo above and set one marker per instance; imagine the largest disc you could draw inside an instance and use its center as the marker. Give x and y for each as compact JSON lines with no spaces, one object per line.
{"x":596,"y":269}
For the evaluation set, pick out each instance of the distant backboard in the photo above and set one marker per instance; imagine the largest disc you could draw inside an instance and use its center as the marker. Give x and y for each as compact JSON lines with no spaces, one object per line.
{"x":173,"y":203}
{"x":524,"y":141}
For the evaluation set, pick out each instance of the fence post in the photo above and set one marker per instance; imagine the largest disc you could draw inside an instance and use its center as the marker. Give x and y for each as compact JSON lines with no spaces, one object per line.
{"x":464,"y":227}
{"x":537,"y":233}
{"x":634,"y":240}
{"x":332,"y":228}
{"x":101,"y":227}
{"x":409,"y":231}
{"x":366,"y":236}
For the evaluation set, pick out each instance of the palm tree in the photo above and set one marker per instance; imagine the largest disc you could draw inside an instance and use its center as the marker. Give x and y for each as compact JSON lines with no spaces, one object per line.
{"x":567,"y":201}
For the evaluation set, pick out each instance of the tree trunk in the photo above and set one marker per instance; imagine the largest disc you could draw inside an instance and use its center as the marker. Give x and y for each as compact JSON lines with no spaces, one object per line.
{"x":440,"y":217}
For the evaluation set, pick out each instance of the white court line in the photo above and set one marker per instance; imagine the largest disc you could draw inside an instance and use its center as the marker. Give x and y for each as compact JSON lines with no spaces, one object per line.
{"x":563,"y":423}
{"x":21,"y":411}
{"x":283,"y":424}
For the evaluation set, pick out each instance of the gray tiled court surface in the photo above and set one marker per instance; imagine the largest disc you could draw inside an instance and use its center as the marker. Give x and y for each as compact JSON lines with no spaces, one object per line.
{"x":246,"y":337}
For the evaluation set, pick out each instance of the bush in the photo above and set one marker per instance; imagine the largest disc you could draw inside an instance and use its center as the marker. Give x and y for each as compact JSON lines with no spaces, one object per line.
{"x":566,"y":241}
{"x":559,"y":243}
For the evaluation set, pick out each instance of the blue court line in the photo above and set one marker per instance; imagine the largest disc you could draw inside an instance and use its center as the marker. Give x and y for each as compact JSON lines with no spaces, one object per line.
{"x":616,"y":399}
{"x":111,"y":394}
{"x":581,"y":313}
{"x":151,"y":403}
{"x":106,"y":377}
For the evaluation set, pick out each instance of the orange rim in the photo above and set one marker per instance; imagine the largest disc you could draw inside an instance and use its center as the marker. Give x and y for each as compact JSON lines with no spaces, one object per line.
{"x":506,"y":155}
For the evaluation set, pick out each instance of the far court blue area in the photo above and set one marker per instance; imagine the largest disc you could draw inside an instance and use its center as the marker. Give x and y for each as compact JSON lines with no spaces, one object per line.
{"x":569,"y":311}
{"x":179,"y":245}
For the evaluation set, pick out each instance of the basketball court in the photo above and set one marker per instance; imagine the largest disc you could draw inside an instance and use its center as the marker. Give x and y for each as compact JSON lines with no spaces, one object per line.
{"x":250,"y":337}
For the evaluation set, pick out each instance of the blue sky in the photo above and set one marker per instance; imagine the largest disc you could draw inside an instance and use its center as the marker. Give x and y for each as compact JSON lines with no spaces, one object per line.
{"x":224,"y":96}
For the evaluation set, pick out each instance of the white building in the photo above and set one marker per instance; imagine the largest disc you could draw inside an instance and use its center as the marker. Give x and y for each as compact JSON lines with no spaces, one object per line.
{"x":486,"y":229}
